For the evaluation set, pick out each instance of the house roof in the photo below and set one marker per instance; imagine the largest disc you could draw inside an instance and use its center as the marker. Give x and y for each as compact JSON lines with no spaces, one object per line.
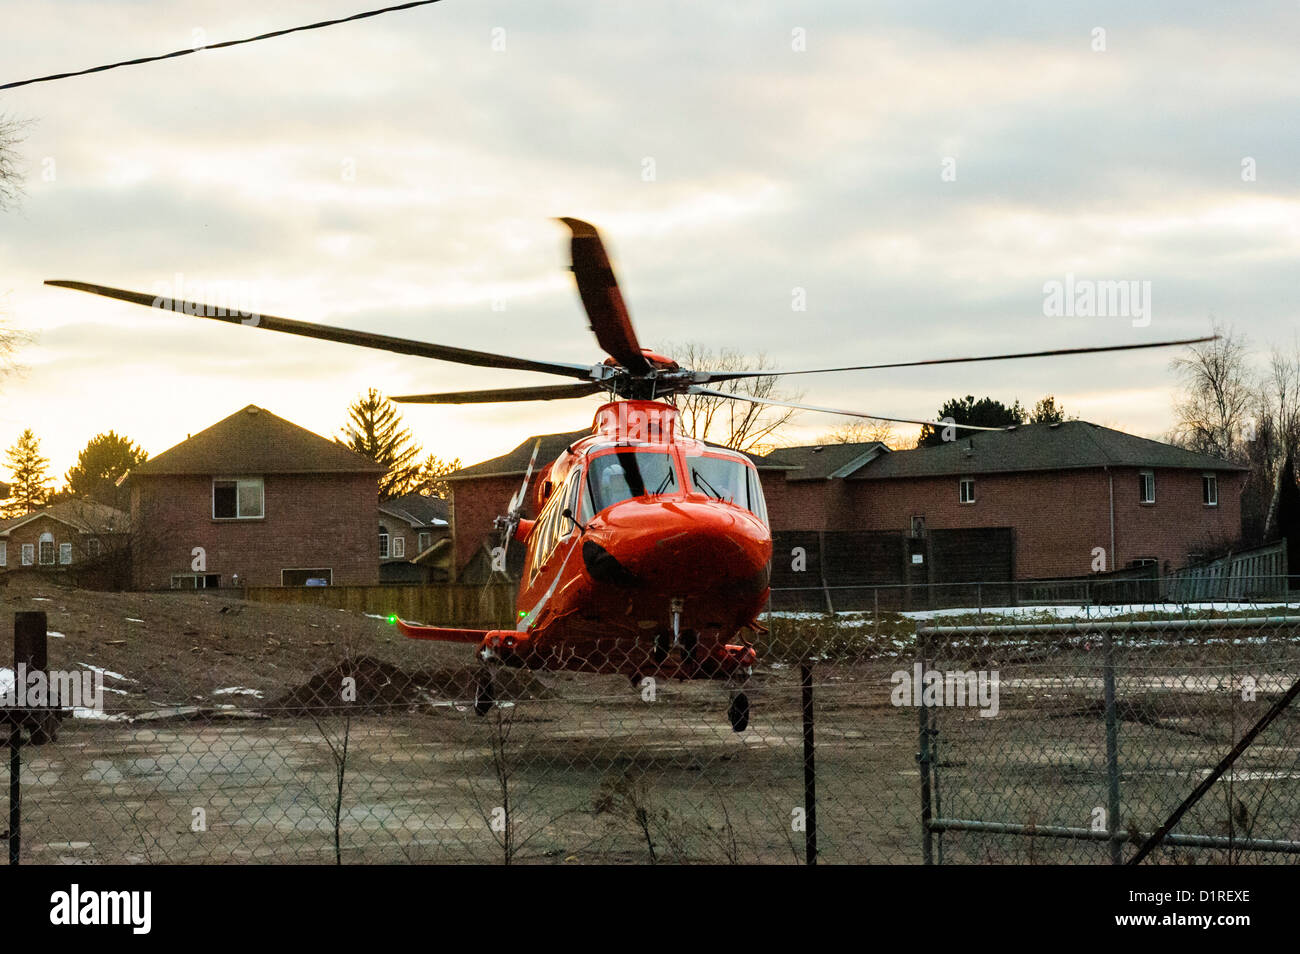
{"x":515,"y":463}
{"x":417,"y":510}
{"x":1029,"y":447}
{"x":255,"y":441}
{"x":83,"y":515}
{"x":823,"y":461}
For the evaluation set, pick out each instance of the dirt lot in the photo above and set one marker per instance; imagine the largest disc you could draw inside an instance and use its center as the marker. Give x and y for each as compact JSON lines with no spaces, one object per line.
{"x":224,"y":744}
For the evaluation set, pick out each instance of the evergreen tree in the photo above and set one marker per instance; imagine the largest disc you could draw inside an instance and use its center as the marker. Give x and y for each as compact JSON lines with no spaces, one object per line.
{"x":30,"y":484}
{"x":105,"y":459}
{"x":985,"y":412}
{"x":375,"y":430}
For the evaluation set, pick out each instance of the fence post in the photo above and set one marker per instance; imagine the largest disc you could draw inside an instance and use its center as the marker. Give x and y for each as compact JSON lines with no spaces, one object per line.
{"x":923,"y":759}
{"x":809,"y":765}
{"x":1112,"y":748}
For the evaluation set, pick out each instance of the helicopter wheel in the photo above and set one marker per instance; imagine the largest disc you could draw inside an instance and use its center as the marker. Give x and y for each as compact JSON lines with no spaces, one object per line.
{"x":484,"y":693}
{"x":738,"y":712}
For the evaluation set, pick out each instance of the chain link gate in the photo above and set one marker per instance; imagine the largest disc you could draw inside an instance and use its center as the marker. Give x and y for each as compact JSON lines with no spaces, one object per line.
{"x":1105,"y":729}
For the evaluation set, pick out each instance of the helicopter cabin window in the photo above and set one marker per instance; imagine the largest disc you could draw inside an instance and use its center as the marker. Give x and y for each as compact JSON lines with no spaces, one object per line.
{"x":625,"y":474}
{"x":238,"y":498}
{"x":552,"y":526}
{"x":729,"y":479}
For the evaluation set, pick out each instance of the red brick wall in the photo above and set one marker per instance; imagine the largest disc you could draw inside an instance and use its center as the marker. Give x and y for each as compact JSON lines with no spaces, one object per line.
{"x":475,"y":503}
{"x":312,"y":521}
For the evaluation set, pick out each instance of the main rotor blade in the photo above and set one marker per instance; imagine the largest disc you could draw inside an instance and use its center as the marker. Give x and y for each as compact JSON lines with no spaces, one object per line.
{"x":833,"y":410}
{"x":545,"y":393}
{"x":308,"y":329}
{"x":734,"y":375}
{"x":598,"y":289}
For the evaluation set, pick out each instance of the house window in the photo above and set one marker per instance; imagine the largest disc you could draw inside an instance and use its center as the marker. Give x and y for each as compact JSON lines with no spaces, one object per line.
{"x":92,"y":547}
{"x":47,"y":549}
{"x":65,"y":553}
{"x":4,"y":553}
{"x":1142,"y":561}
{"x":238,"y":498}
{"x":399,"y":546}
{"x":313,"y":577}
{"x":196,"y":581}
{"x":424,"y":540}
{"x":918,"y":526}
{"x":1210,"y":490}
{"x":29,"y":554}
{"x":1147,"y":487}
{"x":383,"y":542}
{"x":966,"y":490}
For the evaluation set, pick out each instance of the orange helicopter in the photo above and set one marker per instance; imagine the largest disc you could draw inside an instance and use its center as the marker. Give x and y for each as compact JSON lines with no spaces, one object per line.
{"x":649,"y":555}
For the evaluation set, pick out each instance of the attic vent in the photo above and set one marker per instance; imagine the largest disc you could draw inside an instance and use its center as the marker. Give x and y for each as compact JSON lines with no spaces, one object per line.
{"x":251,"y":410}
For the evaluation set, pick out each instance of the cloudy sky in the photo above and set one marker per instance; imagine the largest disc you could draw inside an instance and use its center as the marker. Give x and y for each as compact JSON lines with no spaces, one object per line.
{"x":920,"y":170}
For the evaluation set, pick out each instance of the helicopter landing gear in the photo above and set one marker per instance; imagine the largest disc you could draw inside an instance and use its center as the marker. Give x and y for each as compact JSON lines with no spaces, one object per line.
{"x":738,"y":712}
{"x":484,"y":692}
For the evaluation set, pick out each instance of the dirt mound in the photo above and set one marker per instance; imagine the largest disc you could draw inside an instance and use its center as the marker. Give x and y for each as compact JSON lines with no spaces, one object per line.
{"x":367,"y":684}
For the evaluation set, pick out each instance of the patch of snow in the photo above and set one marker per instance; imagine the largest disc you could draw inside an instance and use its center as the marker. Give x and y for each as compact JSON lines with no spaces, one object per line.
{"x":132,"y":619}
{"x":108,"y":673}
{"x":43,"y":599}
{"x":237,"y":691}
{"x":55,"y":635}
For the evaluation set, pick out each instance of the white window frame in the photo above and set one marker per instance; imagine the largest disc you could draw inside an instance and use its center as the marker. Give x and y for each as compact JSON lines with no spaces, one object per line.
{"x":424,"y":540}
{"x":65,"y":554}
{"x":4,"y":552}
{"x":385,"y":543}
{"x":1144,"y":476}
{"x":41,"y":541}
{"x":1210,"y":489}
{"x":962,"y":496}
{"x":398,"y":547}
{"x":239,"y":483}
{"x":29,"y":554}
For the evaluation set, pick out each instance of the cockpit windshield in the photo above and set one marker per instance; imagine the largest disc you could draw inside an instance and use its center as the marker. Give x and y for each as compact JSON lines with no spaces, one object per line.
{"x":729,"y":480}
{"x":626,"y":473}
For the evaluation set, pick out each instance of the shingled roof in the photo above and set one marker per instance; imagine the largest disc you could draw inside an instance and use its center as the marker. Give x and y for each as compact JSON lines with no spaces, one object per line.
{"x":255,"y":441}
{"x":417,"y":509}
{"x":1067,"y":446}
{"x":516,"y":462}
{"x":86,"y":516}
{"x":823,"y":461}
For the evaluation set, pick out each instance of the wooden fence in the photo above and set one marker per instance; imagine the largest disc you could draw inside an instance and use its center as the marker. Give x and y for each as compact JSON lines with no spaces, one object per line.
{"x":1260,"y":572}
{"x":474,"y":606}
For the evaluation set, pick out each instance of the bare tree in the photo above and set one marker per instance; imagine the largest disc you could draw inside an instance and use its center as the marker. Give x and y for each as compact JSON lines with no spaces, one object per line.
{"x":1212,"y":412}
{"x":1276,"y":428}
{"x":860,"y":432}
{"x":11,"y":188}
{"x":738,"y":424}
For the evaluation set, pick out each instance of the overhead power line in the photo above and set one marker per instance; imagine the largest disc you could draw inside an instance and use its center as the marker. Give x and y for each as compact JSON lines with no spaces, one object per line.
{"x":218,"y":46}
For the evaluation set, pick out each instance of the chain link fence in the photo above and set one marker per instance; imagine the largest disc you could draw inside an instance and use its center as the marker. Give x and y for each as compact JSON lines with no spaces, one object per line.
{"x":234,"y":731}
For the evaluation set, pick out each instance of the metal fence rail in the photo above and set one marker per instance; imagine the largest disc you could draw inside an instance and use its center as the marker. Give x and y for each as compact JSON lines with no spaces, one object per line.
{"x":233,"y":730}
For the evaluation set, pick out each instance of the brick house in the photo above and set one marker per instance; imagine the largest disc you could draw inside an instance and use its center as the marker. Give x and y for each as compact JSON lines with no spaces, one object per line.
{"x":1068,"y":493}
{"x":414,"y":539}
{"x":254,"y":500}
{"x":70,"y":533}
{"x":1040,"y":501}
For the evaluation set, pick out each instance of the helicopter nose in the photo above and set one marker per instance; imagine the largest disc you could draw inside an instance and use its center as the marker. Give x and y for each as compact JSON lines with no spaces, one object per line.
{"x":682,"y":544}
